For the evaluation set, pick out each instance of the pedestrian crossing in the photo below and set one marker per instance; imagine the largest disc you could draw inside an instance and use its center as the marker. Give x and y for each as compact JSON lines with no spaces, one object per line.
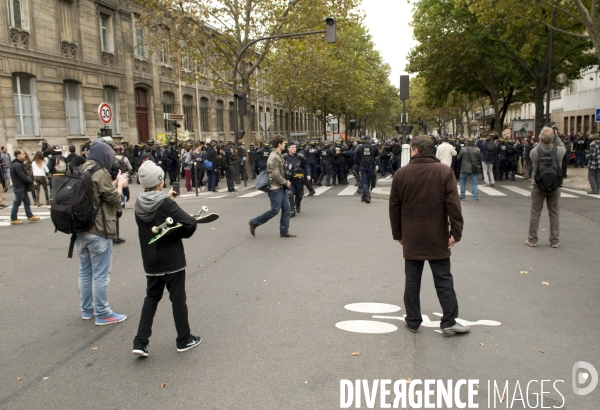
{"x":5,"y":217}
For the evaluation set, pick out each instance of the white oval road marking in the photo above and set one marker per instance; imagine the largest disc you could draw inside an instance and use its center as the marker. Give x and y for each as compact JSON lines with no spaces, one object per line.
{"x":372,"y":307}
{"x":366,"y":326}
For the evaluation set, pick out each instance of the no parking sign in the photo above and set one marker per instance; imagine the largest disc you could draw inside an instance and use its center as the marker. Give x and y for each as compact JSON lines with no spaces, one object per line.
{"x":105,"y":113}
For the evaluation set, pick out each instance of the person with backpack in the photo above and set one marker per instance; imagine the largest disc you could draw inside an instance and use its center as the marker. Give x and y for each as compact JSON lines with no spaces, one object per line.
{"x":94,"y":246}
{"x":547,"y":159}
{"x":57,"y":165}
{"x":488,"y":153}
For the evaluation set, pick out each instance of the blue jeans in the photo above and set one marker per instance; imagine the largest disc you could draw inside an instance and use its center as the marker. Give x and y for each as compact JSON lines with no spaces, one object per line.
{"x":20,"y":196}
{"x":279,"y":200}
{"x":95,"y":257}
{"x":579,"y":158}
{"x":211,"y":178}
{"x":463,"y":184}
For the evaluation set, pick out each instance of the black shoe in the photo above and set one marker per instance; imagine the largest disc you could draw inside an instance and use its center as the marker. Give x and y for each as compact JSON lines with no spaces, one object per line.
{"x":410,"y":329}
{"x":140,"y":351}
{"x":192,"y":342}
{"x":327,"y":184}
{"x":368,"y":200}
{"x":293,"y":214}
{"x":363,"y":199}
{"x":252,"y":229}
{"x":311,"y":193}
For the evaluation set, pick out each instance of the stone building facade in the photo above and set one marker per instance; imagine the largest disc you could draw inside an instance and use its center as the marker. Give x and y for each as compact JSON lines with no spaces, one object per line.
{"x":59,"y":59}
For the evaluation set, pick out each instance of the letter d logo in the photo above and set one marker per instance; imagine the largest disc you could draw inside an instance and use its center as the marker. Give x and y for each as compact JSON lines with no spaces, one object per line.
{"x":583,"y":378}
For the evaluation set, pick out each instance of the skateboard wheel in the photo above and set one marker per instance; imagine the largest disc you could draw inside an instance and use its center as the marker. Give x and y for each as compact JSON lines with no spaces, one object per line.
{"x":155,"y":229}
{"x":170,"y":221}
{"x":205,"y":208}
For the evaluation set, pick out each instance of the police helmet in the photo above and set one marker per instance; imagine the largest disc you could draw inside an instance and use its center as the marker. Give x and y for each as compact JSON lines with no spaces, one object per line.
{"x":312,"y":143}
{"x":150,"y":142}
{"x":267,"y":145}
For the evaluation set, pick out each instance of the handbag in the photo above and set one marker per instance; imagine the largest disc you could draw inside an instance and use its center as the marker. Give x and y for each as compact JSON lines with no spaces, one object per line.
{"x":263,"y":182}
{"x":475,"y":166}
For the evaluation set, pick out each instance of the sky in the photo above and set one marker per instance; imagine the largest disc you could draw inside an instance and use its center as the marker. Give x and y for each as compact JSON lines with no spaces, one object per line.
{"x":388,"y":22}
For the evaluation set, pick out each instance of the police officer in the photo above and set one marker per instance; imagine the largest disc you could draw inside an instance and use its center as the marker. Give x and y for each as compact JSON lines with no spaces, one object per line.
{"x":252,"y":154}
{"x":231,"y":156}
{"x":172,"y":156}
{"x":296,"y":168}
{"x":500,"y":163}
{"x":366,"y":154}
{"x":326,"y":156}
{"x":242,"y":156}
{"x":312,"y":156}
{"x":511,"y":161}
{"x":338,"y":165}
{"x":263,"y":156}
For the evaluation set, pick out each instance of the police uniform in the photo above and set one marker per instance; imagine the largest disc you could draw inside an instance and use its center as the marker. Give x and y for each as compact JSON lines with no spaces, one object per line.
{"x":252,"y":153}
{"x":231,"y":156}
{"x":296,"y":169}
{"x":263,"y":156}
{"x":173,"y":157}
{"x":366,"y":154}
{"x":511,"y":161}
{"x":500,"y":163}
{"x":312,"y":156}
{"x":326,"y":157}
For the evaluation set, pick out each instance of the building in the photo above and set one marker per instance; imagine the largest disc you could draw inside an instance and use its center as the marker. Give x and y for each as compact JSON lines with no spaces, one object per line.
{"x":59,"y":59}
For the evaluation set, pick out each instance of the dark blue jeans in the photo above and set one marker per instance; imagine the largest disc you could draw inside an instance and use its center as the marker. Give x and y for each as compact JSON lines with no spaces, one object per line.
{"x":20,"y":196}
{"x":211,"y":180}
{"x":279,"y":201}
{"x":579,"y":158}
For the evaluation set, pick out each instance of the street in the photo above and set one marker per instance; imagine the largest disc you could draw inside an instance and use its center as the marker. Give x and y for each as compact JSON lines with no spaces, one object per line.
{"x":267,"y":308}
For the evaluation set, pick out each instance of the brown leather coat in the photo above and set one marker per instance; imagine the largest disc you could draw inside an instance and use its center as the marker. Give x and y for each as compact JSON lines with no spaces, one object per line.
{"x":423,"y":202}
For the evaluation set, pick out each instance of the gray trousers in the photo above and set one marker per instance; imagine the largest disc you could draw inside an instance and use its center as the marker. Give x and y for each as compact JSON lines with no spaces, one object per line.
{"x":537,"y":205}
{"x":594,"y":178}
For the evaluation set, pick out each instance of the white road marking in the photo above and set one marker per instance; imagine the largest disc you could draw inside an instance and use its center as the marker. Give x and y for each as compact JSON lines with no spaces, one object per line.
{"x":217,"y":197}
{"x":321,"y":189}
{"x":366,"y":326}
{"x":22,"y":216}
{"x":580,"y":192}
{"x":251,"y":194}
{"x":381,"y":190}
{"x":372,"y":307}
{"x":518,"y":190}
{"x":490,"y":191}
{"x":349,"y":190}
{"x":466,"y":191}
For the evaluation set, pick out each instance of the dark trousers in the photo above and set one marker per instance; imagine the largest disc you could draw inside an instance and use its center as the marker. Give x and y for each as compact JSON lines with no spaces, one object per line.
{"x":444,"y":286}
{"x":20,"y":196}
{"x":175,"y":283}
{"x":594,"y":178}
{"x":211,"y":180}
{"x":366,"y":179}
{"x":579,"y":159}
{"x":230,"y":174}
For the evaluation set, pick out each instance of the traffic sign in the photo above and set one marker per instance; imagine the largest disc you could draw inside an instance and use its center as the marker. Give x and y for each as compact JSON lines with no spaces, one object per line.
{"x":174,"y":117}
{"x":597,"y":114}
{"x":265,"y":120}
{"x":105,"y":113}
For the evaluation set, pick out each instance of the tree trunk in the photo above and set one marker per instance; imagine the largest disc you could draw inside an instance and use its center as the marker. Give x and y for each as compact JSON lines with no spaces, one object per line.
{"x":539,"y":105}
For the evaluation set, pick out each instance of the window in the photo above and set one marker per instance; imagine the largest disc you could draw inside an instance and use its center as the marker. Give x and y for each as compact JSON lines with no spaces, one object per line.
{"x":106,"y":33}
{"x":188,"y":111}
{"x":281,"y":120}
{"x":260,"y":116}
{"x":164,"y":55}
{"x":73,"y":108}
{"x":18,"y":11}
{"x":140,"y":47}
{"x":253,"y":118}
{"x":66,"y":33}
{"x":168,"y":108}
{"x":231,"y":117}
{"x":204,"y":114}
{"x":287,"y":123}
{"x":220,"y":125}
{"x":111,"y":96}
{"x":25,"y":105}
{"x":574,"y":87}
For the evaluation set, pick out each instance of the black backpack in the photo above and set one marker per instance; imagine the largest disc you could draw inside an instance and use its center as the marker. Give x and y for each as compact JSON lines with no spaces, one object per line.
{"x":72,"y":209}
{"x":489,"y":151}
{"x":548,"y":177}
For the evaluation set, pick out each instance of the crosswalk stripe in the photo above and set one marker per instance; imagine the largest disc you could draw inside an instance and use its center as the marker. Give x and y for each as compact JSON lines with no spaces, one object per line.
{"x":580,"y":192}
{"x":321,"y":189}
{"x":565,"y":195}
{"x":490,"y":191}
{"x":518,"y":190}
{"x":381,"y":190}
{"x":349,"y":190}
{"x":7,"y":217}
{"x":216,"y":197}
{"x":251,"y":194}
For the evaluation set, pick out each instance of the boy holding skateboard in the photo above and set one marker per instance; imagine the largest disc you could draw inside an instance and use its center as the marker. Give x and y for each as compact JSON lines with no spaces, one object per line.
{"x":164,"y":260}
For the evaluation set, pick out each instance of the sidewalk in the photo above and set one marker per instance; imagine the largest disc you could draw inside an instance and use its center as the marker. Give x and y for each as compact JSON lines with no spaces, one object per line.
{"x":576,"y":179}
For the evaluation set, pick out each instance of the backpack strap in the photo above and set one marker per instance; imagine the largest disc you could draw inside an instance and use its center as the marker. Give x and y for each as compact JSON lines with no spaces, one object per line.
{"x":71,"y":245}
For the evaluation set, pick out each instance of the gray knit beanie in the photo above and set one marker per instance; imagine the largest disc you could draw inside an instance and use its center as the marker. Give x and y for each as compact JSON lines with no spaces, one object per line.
{"x":150,"y":174}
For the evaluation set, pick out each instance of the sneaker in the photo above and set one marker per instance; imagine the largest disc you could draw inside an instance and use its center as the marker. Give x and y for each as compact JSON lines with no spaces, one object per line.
{"x":475,"y":199}
{"x":457,"y":328}
{"x":555,"y":245}
{"x":16,"y":222}
{"x":109,"y":320}
{"x":462,"y":199}
{"x":410,"y":329}
{"x":87,"y":315}
{"x":592,"y":193}
{"x":33,"y":218}
{"x":487,"y":185}
{"x":140,"y":351}
{"x":533,"y":245}
{"x":193,"y":341}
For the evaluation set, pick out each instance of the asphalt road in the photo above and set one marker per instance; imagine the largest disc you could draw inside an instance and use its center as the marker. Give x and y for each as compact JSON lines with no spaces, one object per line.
{"x":267,"y":309}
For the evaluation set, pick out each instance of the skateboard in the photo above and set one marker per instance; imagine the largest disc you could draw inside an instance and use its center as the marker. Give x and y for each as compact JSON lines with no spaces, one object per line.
{"x":169,"y":226}
{"x":163,"y":230}
{"x":203,"y":217}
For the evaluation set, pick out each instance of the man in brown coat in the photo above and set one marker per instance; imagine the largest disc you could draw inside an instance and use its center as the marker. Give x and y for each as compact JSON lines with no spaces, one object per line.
{"x":423,"y":199}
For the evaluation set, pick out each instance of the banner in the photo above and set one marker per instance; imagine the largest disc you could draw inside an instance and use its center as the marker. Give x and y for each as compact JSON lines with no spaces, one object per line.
{"x":522,"y":128}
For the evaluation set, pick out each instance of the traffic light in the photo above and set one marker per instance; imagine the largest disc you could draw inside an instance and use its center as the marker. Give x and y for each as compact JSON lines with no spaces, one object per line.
{"x":242,"y":103}
{"x":398,"y":129}
{"x":404,"y":87}
{"x":330,"y":30}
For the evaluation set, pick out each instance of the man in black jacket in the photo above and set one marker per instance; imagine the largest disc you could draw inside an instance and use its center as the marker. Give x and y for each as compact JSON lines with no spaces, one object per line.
{"x":74,"y":160}
{"x":21,"y":186}
{"x":164,"y":260}
{"x":211,"y":169}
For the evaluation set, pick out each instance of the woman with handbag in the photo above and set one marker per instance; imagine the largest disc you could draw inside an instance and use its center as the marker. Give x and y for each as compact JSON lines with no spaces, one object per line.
{"x":39,"y":170}
{"x":470,"y":168}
